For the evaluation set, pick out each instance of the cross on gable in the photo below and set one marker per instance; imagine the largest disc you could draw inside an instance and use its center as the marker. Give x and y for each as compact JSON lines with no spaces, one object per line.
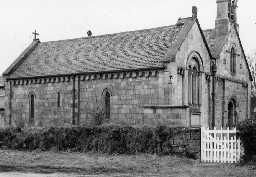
{"x":35,"y":35}
{"x":229,"y":51}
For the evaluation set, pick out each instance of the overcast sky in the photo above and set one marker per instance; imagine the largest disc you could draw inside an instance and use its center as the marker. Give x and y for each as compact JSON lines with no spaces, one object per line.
{"x":65,"y":19}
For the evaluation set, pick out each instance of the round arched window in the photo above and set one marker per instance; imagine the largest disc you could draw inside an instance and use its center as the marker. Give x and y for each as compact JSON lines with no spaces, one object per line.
{"x":31,"y":109}
{"x":107,"y":105}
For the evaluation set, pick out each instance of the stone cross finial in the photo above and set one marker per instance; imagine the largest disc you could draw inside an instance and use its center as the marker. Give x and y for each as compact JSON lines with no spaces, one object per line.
{"x":234,"y":2}
{"x":233,"y":8}
{"x":194,"y":12}
{"x":89,"y":33}
{"x":35,"y":35}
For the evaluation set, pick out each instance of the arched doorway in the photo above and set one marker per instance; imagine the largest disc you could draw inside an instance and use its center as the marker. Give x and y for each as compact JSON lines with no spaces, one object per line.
{"x":232,"y":120}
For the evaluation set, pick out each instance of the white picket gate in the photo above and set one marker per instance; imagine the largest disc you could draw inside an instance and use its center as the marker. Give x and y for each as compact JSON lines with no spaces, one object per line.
{"x":221,"y":146}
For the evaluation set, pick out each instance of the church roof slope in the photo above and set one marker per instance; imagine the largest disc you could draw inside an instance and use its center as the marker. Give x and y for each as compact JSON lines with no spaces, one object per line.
{"x":215,"y":44}
{"x":112,"y":52}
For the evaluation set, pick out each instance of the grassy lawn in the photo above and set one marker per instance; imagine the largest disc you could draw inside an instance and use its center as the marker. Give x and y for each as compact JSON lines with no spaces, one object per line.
{"x":119,"y":165}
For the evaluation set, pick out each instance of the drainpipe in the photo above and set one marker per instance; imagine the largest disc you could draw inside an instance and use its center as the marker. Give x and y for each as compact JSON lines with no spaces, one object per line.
{"x":213,"y":73}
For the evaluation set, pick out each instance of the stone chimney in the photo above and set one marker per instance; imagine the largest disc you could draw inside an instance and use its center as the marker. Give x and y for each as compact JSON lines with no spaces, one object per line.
{"x":226,"y":16}
{"x":194,"y":12}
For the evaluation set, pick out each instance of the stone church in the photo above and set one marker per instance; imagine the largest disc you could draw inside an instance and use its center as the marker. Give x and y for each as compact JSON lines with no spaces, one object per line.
{"x":178,"y":75}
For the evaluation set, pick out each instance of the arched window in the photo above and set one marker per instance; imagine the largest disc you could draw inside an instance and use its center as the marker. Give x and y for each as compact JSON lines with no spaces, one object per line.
{"x":232,"y":117}
{"x":195,"y":76}
{"x":107,"y":105}
{"x":233,"y":61}
{"x":31,"y":109}
{"x":58,"y":99}
{"x":194,"y":82}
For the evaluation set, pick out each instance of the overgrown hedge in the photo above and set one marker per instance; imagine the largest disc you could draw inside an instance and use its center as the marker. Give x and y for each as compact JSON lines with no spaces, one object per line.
{"x":107,"y":139}
{"x":247,"y":133}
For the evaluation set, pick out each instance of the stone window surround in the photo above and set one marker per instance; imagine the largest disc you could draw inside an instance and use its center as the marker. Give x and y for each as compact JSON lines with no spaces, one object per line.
{"x":58,"y":99}
{"x":194,"y":63}
{"x":32,"y":105}
{"x":233,"y":59}
{"x":106,"y":98}
{"x":235,"y":104}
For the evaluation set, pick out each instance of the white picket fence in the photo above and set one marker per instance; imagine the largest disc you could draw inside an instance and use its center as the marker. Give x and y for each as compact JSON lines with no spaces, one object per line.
{"x":220,"y":146}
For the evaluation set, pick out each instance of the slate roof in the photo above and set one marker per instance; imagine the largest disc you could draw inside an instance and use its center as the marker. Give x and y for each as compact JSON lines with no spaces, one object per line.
{"x":131,"y":50}
{"x":215,"y":44}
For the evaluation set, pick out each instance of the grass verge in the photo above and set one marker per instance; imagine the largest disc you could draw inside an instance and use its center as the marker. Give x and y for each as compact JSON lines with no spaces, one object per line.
{"x":130,"y":165}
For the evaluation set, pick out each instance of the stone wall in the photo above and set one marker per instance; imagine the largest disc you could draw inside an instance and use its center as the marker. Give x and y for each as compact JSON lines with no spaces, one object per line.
{"x":81,"y":101}
{"x":47,"y":113}
{"x":129,"y":99}
{"x":193,"y":44}
{"x":232,"y":86}
{"x":188,"y":141}
{"x":225,"y":91}
{"x":128,"y":96}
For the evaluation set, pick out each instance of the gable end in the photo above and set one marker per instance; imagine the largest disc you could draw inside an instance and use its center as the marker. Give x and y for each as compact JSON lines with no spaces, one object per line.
{"x":21,"y":58}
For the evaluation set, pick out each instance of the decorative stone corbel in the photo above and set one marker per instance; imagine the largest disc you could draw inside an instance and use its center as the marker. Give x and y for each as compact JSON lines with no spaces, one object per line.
{"x":154,"y":73}
{"x":181,"y":71}
{"x":141,"y":73}
{"x":122,"y":75}
{"x":116,"y":75}
{"x":134,"y":74}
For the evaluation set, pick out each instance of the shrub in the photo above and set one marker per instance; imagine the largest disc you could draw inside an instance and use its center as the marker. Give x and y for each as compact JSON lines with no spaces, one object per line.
{"x":247,"y":133}
{"x":105,"y":139}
